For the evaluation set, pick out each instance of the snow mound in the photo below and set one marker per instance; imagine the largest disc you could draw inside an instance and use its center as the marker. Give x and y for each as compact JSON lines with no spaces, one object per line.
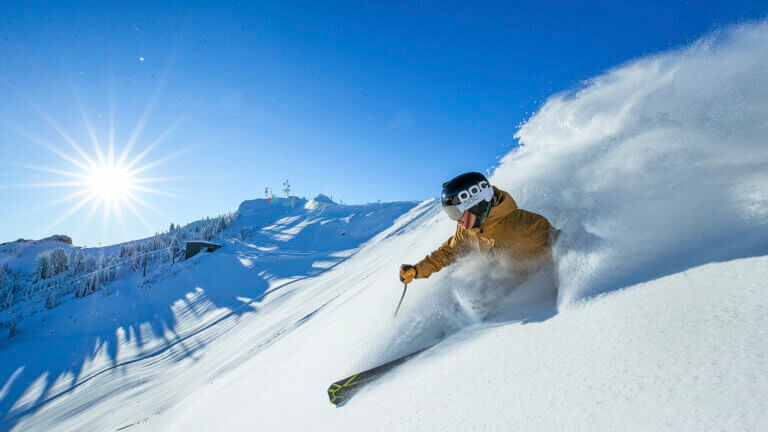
{"x":654,"y":167}
{"x":323,"y":199}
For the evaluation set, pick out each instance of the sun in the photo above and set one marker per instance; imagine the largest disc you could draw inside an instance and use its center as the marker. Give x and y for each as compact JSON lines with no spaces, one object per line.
{"x":103,"y":178}
{"x":109,"y":182}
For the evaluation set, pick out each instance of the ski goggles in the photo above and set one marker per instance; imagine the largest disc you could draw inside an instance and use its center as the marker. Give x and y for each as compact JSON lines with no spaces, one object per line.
{"x":453,"y":212}
{"x":467,"y":199}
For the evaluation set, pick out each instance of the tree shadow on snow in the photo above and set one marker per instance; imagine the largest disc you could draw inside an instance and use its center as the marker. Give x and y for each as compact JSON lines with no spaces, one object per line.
{"x":53,"y":358}
{"x":166,"y":320}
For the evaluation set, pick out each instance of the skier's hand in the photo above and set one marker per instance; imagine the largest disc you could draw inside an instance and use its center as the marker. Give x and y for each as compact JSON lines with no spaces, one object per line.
{"x":407,"y":273}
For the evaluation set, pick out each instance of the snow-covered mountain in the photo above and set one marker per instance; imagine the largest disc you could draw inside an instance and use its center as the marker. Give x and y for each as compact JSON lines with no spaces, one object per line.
{"x":21,"y":254}
{"x":655,"y":172}
{"x":268,"y":247}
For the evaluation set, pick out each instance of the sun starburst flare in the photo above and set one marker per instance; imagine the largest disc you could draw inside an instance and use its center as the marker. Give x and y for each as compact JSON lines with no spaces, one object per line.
{"x":109,"y":182}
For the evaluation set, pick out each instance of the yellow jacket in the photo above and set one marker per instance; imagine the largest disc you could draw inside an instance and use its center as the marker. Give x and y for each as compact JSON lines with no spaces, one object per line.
{"x":523,"y":237}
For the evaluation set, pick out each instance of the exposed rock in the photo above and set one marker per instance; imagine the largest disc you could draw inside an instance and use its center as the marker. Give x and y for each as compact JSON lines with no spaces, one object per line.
{"x":60,"y":238}
{"x":323,"y":199}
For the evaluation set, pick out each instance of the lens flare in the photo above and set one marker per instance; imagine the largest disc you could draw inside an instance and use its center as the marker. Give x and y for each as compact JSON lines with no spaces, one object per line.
{"x":109,"y":182}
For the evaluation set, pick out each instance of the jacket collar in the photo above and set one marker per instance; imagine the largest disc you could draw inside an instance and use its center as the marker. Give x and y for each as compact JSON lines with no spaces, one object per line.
{"x":503,"y":207}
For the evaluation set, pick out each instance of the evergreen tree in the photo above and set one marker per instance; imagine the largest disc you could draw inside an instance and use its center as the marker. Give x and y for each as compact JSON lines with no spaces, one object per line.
{"x":58,"y":261}
{"x":79,"y":262}
{"x":43,"y":268}
{"x":4,"y":276}
{"x":90,"y":264}
{"x":52,"y":299}
{"x":5,"y":284}
{"x":72,"y":262}
{"x":173,"y":249}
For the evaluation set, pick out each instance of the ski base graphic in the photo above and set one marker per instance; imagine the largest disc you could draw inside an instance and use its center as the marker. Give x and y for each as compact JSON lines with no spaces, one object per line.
{"x":343,"y":389}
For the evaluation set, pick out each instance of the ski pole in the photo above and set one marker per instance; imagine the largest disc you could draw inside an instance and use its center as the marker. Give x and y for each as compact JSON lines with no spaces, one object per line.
{"x":405,"y":287}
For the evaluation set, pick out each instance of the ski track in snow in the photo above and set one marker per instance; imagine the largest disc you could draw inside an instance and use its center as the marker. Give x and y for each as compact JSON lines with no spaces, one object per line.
{"x":655,"y":171}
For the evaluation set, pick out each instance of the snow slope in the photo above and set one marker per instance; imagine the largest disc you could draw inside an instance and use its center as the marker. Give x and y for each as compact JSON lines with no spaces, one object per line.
{"x":657,"y":356}
{"x":655,"y":171}
{"x":138,"y":335}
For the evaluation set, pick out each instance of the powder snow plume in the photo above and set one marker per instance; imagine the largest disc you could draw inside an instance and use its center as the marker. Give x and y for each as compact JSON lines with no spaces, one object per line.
{"x":653,"y":167}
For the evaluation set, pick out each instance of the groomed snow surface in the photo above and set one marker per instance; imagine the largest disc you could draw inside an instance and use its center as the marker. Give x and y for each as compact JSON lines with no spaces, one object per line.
{"x":657,"y":174}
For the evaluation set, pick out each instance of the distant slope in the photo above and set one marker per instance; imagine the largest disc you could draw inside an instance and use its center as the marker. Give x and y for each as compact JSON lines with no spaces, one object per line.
{"x":20,"y":255}
{"x":317,"y":224}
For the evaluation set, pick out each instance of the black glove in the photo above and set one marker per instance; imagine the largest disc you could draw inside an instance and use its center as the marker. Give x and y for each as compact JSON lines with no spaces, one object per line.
{"x":407,"y":273}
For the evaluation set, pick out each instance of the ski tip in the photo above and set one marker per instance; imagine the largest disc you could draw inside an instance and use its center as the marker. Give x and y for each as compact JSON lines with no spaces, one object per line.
{"x":341,"y":390}
{"x":335,"y":399}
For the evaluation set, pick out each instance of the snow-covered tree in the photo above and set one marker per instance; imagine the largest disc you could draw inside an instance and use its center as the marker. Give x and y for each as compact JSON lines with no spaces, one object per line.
{"x":126,"y":249}
{"x":5,"y":284}
{"x":5,"y":275}
{"x":91,"y":265}
{"x":52,"y":299}
{"x":174,"y":249}
{"x":7,"y":299}
{"x":86,"y":273}
{"x":81,"y":287}
{"x":94,"y":286}
{"x":78,"y":262}
{"x":43,"y":267}
{"x":58,"y":260}
{"x":14,"y":292}
{"x":245,"y":232}
{"x":72,"y":262}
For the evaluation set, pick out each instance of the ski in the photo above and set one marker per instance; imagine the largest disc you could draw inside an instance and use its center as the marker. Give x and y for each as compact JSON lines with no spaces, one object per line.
{"x":343,"y":389}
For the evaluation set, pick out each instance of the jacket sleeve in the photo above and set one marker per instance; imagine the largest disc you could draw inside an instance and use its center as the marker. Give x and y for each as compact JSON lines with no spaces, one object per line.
{"x":443,"y":256}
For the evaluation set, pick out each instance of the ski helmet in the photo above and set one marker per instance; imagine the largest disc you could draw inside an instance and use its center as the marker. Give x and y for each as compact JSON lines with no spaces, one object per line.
{"x":468,"y":198}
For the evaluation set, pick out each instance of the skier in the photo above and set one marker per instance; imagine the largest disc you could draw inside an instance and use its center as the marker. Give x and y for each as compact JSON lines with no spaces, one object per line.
{"x":488,"y":222}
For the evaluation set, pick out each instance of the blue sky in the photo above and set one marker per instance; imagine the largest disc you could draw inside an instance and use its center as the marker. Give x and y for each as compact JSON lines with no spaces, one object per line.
{"x":361,"y":101}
